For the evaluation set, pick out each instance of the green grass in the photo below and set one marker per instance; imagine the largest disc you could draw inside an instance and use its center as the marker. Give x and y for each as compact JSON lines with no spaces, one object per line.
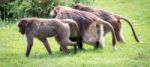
{"x":132,"y":54}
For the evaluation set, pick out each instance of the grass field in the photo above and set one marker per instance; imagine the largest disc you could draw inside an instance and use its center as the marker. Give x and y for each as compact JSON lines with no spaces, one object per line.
{"x":131,"y":54}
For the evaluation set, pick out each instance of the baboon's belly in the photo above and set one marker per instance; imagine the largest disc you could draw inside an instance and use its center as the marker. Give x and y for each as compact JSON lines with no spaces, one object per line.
{"x":91,"y":36}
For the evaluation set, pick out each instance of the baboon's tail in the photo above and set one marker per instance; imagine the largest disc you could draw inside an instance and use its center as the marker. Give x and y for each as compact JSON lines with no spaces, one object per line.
{"x":135,"y":36}
{"x":75,"y":25}
{"x":114,"y":40}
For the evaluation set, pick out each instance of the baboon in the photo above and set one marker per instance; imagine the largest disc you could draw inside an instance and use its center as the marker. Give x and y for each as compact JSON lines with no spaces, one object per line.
{"x":88,"y":24}
{"x":43,"y":28}
{"x":114,"y":20}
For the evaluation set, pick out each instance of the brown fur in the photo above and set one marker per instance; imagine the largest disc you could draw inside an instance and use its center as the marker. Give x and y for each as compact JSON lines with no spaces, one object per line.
{"x":113,"y":19}
{"x":43,"y":28}
{"x":86,"y":21}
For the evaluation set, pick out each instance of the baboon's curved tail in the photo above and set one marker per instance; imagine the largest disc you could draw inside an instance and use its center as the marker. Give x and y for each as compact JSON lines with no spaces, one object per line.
{"x":74,"y":25}
{"x":114,"y":40}
{"x":135,"y":36}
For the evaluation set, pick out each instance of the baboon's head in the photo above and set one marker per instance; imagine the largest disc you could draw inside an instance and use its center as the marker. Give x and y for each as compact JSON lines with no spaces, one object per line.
{"x":54,"y":12}
{"x":81,"y":7}
{"x":57,"y":10}
{"x":23,"y":24}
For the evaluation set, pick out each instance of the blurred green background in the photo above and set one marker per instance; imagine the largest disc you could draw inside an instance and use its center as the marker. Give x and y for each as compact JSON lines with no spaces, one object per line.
{"x":131,"y":54}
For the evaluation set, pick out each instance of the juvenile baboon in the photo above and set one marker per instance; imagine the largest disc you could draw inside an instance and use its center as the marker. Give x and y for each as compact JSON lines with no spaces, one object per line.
{"x":113,"y":19}
{"x":88,"y":24}
{"x":43,"y":28}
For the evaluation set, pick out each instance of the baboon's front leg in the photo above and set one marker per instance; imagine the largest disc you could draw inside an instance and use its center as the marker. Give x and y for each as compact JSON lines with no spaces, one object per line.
{"x":29,"y":44}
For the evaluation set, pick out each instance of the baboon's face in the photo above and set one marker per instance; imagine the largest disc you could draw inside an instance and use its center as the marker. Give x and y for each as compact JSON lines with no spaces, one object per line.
{"x":54,"y":12}
{"x":58,"y":9}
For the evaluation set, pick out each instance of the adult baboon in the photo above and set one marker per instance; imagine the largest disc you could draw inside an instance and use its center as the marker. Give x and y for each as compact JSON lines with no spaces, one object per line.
{"x":113,"y":19}
{"x":88,"y":24}
{"x":43,"y":28}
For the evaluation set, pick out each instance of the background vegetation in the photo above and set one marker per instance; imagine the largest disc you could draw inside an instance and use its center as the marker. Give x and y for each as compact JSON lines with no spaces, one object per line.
{"x":32,"y":8}
{"x":131,"y":54}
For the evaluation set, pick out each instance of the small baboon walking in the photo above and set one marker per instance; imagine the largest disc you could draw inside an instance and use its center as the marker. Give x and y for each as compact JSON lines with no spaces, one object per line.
{"x":43,"y":28}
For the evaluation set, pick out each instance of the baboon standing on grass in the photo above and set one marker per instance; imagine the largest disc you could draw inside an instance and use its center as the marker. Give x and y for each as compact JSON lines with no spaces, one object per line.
{"x":43,"y":28}
{"x":113,"y":19}
{"x":88,"y":24}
